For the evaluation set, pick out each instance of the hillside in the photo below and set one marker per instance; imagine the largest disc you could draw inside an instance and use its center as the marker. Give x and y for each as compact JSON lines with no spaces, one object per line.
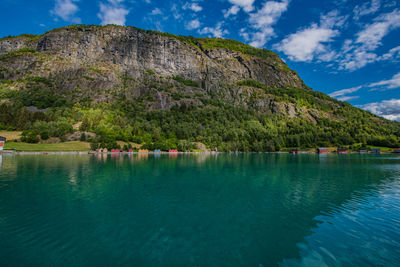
{"x":166,"y":91}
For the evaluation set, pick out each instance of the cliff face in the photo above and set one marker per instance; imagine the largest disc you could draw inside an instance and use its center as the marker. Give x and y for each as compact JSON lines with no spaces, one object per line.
{"x":220,"y":92}
{"x":116,"y":57}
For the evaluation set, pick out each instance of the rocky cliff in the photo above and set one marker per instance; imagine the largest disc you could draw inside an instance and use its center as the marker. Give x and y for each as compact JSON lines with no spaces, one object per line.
{"x":160,"y":89}
{"x":94,"y":60}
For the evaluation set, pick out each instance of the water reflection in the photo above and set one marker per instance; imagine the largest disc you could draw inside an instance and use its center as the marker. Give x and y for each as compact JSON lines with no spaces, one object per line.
{"x":227,"y":209}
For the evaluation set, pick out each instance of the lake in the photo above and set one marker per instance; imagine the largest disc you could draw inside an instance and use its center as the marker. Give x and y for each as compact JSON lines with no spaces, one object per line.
{"x":201,"y":210}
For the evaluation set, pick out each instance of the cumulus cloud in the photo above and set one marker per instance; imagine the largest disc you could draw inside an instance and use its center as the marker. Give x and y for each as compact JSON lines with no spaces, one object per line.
{"x":310,"y":43}
{"x":305,"y":44}
{"x":193,"y":24}
{"x":389,"y":109}
{"x":392,"y":83}
{"x":345,"y":91}
{"x":66,"y":10}
{"x":247,"y":5}
{"x":264,"y":19}
{"x":361,"y":51}
{"x":113,"y":12}
{"x":192,"y":6}
{"x":216,"y":31}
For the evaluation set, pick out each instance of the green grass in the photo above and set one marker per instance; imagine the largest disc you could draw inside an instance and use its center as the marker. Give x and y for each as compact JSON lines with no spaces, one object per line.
{"x":383,"y":149}
{"x":11,"y":135}
{"x":66,"y":146}
{"x":185,"y":82}
{"x":214,"y":43}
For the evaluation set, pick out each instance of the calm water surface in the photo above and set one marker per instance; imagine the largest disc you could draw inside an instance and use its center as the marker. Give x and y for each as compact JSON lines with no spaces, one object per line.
{"x":199,"y":210}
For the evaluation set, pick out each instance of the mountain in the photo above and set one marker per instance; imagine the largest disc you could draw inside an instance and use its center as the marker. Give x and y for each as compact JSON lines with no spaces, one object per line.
{"x":162,"y":90}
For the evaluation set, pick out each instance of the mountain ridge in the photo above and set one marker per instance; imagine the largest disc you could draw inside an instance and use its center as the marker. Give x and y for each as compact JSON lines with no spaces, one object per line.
{"x":101,"y":67}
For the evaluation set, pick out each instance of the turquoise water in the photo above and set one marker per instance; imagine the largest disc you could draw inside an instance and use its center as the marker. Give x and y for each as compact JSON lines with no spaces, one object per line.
{"x":199,"y":210}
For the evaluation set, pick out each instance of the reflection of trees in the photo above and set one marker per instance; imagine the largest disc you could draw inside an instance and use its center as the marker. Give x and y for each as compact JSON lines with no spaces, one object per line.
{"x":234,"y":209}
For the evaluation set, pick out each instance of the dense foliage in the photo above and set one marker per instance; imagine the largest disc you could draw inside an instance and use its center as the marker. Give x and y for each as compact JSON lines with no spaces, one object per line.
{"x":216,"y":124}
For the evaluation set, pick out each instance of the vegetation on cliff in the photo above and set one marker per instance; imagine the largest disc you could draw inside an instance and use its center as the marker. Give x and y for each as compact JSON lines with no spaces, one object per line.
{"x":47,"y":95}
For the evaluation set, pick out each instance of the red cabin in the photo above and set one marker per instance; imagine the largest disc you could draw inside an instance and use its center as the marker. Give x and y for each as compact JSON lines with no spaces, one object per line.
{"x":116,"y":150}
{"x":2,"y":142}
{"x":323,"y":150}
{"x":294,"y":151}
{"x":342,"y":151}
{"x":173,"y":151}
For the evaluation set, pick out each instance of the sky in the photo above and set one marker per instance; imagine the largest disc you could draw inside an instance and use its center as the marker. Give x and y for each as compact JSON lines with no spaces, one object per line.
{"x":345,"y":48}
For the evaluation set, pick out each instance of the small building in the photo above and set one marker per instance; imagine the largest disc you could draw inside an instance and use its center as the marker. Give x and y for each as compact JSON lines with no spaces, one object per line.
{"x":342,"y":151}
{"x":376,"y":151}
{"x":396,"y":150}
{"x":363,"y":151}
{"x":294,"y":151}
{"x":157,"y":151}
{"x":143,"y":151}
{"x":323,"y":150}
{"x":116,"y":150}
{"x":102,"y":150}
{"x":130,"y":150}
{"x":2,"y":142}
{"x":173,"y":151}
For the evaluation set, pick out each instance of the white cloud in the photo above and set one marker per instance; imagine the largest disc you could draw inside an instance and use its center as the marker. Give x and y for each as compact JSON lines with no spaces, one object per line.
{"x":347,"y":98}
{"x":174,"y":9}
{"x":193,"y":24}
{"x":389,"y":109}
{"x":264,"y":19}
{"x":371,"y":36}
{"x":345,"y":91}
{"x":192,"y":6}
{"x":156,"y":11}
{"x":304,"y":45}
{"x":392,"y":83}
{"x":360,"y":52}
{"x":310,"y":43}
{"x":232,"y":11}
{"x":66,"y":9}
{"x":247,"y":5}
{"x":216,"y":31}
{"x":393,"y":54}
{"x":113,"y":13}
{"x":365,"y":10}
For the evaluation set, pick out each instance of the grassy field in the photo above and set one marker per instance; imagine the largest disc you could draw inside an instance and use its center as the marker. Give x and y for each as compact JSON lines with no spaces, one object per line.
{"x":66,"y":146}
{"x":11,"y":135}
{"x":383,"y":149}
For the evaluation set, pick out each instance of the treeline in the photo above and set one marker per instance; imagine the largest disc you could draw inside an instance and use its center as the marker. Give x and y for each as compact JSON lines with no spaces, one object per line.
{"x":215,"y":124}
{"x":225,"y":127}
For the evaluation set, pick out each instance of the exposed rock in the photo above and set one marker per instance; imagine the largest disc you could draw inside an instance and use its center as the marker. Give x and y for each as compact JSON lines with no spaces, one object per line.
{"x":89,"y":61}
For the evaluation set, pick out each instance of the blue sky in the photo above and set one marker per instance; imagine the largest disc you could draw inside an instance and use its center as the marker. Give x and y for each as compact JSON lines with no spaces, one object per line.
{"x":346,"y":48}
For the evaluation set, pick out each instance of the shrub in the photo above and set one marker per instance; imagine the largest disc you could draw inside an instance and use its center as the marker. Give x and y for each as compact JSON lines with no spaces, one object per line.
{"x":30,"y":137}
{"x":185,"y":82}
{"x":44,"y":135}
{"x":94,"y":146}
{"x":83,"y":137}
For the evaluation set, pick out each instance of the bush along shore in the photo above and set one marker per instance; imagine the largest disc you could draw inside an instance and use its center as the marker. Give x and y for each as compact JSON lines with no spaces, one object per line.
{"x":73,"y":144}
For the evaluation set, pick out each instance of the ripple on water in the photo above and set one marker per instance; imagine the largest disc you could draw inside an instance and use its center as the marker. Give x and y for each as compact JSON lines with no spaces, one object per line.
{"x":230,"y":210}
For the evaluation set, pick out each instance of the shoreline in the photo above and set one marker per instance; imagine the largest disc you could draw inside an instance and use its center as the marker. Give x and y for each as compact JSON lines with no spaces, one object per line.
{"x":12,"y":152}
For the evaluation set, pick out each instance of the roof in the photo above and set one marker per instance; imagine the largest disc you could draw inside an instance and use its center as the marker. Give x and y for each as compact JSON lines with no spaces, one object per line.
{"x":3,"y":138}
